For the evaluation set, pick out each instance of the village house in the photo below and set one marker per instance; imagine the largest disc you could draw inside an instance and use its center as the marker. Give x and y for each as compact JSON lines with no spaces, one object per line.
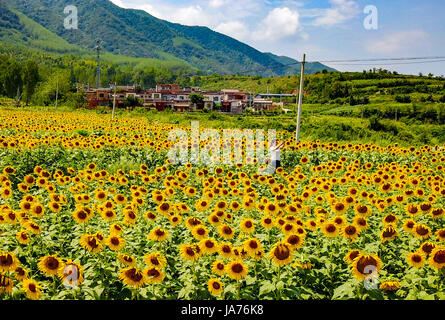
{"x":170,"y":96}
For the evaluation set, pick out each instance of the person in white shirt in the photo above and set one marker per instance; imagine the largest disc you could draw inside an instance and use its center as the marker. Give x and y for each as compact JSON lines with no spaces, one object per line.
{"x":275,"y":154}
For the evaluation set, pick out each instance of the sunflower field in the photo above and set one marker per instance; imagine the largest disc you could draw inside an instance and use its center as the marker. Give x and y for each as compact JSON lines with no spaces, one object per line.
{"x":91,"y":208}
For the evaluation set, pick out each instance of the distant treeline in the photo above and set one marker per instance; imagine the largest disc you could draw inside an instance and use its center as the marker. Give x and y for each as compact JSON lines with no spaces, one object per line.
{"x":36,"y":76}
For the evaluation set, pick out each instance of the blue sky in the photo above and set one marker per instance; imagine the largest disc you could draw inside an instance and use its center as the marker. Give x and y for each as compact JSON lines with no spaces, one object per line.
{"x":323,"y":29}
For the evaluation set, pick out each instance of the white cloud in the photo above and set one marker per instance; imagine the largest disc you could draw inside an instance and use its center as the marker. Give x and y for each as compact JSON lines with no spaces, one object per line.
{"x":191,"y":16}
{"x":279,"y":23}
{"x":234,"y":29}
{"x":398,"y":42}
{"x":217,"y":3}
{"x":339,"y":12}
{"x":118,"y":3}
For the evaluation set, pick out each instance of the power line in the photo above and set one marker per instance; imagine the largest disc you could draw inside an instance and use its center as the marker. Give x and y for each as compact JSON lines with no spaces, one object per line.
{"x":385,"y":64}
{"x":383,"y":59}
{"x":412,"y":60}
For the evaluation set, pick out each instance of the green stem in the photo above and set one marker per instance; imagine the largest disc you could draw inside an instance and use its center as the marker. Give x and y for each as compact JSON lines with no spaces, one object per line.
{"x":276,"y":282}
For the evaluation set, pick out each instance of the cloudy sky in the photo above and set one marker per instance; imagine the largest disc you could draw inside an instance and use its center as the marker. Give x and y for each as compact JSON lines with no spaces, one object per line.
{"x":323,"y":29}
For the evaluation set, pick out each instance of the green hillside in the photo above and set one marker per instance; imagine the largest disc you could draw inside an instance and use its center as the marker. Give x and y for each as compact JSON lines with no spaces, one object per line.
{"x":134,"y":33}
{"x":20,"y":34}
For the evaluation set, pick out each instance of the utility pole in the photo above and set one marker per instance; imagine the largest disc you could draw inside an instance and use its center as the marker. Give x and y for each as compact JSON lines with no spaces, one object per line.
{"x":57,"y":92}
{"x":98,"y":48}
{"x":114,"y":100}
{"x":300,"y":98}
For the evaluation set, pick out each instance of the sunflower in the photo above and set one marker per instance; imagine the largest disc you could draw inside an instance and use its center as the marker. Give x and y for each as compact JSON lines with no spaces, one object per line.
{"x":236,"y":270}
{"x":362,"y":210}
{"x":390,"y":220}
{"x":218,"y":267}
{"x":8,"y":261}
{"x":100,"y":195}
{"x":311,"y":225}
{"x":153,"y":275}
{"x":295,"y":241}
{"x":339,"y":221}
{"x":226,"y":231}
{"x":409,"y":225}
{"x":23,"y":237}
{"x":165,"y":208}
{"x":437,"y":258}
{"x":55,"y":207}
{"x":235,"y":206}
{"x":225,"y":250}
{"x":427,"y":247}
{"x":126,"y":259}
{"x":271,"y":208}
{"x":208,"y":246}
{"x":37,"y":210}
{"x":215,"y":287}
{"x":281,"y":254}
{"x":437,"y":213}
{"x":115,"y":243}
{"x":221,"y":205}
{"x":351,"y":255}
{"x":200,"y":232}
{"x":390,"y":285}
{"x":32,"y":289}
{"x":132,"y":277}
{"x":192,"y":222}
{"x":339,"y":208}
{"x":330,"y":230}
{"x":440,"y":234}
{"x":71,"y":274}
{"x":116,"y":229}
{"x":50,"y":265}
{"x":6,"y":284}
{"x":190,"y":191}
{"x":252,"y":246}
{"x":91,"y":243}
{"x":360,"y":223}
{"x":247,"y":225}
{"x":157,"y":234}
{"x":20,"y":273}
{"x":350,"y":232}
{"x":422,"y":231}
{"x":267,"y":222}
{"x":33,"y":227}
{"x":108,"y":214}
{"x":214,"y":219}
{"x":388,"y":233}
{"x":425,"y":207}
{"x":289,"y":228}
{"x":81,"y":216}
{"x":188,"y":252}
{"x":120,"y":199}
{"x":364,"y":265}
{"x":150,"y":216}
{"x":304,"y":266}
{"x":202,"y":205}
{"x":411,"y":209}
{"x":22,"y":187}
{"x":416,"y":259}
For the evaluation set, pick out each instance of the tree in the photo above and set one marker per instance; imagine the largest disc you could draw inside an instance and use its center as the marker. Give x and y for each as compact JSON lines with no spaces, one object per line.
{"x":12,"y":79}
{"x":77,"y":99}
{"x":131,"y":101}
{"x":30,"y":79}
{"x":196,"y":98}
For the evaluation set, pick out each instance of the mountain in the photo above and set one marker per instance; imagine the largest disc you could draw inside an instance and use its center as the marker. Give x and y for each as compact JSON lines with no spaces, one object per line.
{"x":134,"y":33}
{"x":293,"y":66}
